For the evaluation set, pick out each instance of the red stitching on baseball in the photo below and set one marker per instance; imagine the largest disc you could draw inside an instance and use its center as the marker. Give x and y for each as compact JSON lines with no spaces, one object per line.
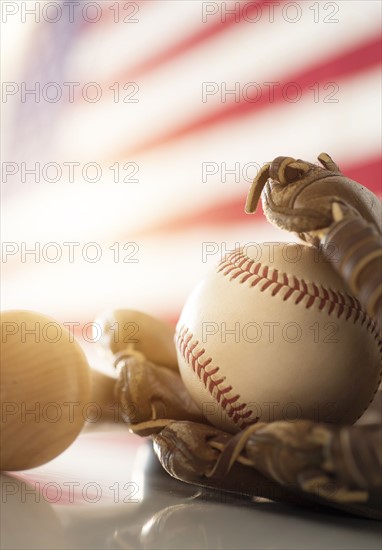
{"x":239,"y":267}
{"x":245,"y":270}
{"x":187,"y":344}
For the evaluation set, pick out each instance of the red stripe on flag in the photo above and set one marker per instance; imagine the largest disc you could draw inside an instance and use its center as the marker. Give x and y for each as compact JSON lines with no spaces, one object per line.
{"x":354,"y":61}
{"x":231,"y":212}
{"x":207,"y":32}
{"x":368,"y":174}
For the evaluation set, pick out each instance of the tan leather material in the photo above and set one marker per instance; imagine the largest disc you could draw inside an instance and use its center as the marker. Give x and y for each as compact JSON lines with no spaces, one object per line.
{"x":148,"y":392}
{"x":322,"y":193}
{"x":127,"y":329}
{"x":371,"y":295}
{"x":345,"y":245}
{"x":356,"y":455}
{"x":298,"y":195}
{"x":278,"y":205}
{"x":189,"y":452}
{"x":323,"y":206}
{"x":355,"y":249}
{"x":300,"y":462}
{"x":362,"y":251}
{"x":279,"y":170}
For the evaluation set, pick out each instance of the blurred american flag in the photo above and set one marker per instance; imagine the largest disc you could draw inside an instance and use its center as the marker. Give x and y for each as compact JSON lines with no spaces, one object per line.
{"x":169,"y":104}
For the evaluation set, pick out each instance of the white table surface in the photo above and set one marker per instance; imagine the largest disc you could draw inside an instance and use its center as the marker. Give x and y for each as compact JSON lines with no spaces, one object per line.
{"x":109,"y":491}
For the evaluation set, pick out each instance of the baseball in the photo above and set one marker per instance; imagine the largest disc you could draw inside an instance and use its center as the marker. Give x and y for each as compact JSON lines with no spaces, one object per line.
{"x":272,"y":333}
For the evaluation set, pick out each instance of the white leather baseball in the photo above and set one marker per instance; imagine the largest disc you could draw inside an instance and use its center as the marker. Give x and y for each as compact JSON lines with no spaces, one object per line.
{"x":272,"y":333}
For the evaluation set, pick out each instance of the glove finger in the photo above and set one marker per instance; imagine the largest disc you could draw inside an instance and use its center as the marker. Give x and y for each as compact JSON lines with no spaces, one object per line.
{"x":148,"y":392}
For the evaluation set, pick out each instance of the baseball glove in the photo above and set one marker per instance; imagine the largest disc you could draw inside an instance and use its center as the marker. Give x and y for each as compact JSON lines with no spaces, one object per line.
{"x":330,"y":211}
{"x":300,"y":463}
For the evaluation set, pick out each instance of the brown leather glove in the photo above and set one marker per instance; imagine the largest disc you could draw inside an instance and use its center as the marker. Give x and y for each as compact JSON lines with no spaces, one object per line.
{"x":329,"y":210}
{"x":299,"y":196}
{"x":300,"y":463}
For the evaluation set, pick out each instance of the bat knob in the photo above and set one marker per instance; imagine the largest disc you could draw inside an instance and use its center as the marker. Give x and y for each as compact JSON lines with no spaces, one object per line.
{"x":45,"y":387}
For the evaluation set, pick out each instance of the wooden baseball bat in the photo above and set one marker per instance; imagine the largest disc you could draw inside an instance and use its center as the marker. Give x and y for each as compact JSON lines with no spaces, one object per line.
{"x":48,"y":390}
